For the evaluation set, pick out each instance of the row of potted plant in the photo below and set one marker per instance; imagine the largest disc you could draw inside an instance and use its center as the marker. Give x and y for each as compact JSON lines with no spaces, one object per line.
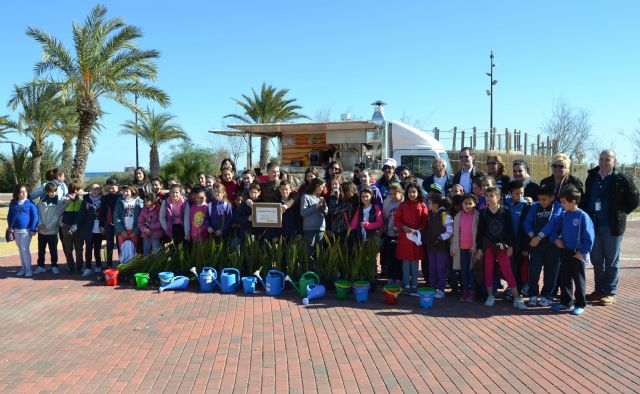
{"x":333,"y":260}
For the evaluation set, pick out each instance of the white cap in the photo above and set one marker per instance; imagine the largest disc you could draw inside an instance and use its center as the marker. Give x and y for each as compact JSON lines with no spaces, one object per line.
{"x":390,"y":162}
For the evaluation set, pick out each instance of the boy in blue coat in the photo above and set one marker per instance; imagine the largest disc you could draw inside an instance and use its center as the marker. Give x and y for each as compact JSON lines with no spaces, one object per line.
{"x":539,"y":225}
{"x":518,"y":207}
{"x":575,"y":236}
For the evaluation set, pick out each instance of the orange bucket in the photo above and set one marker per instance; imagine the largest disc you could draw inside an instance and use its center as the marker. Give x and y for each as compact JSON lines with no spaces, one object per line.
{"x":111,"y":277}
{"x":391,"y":293}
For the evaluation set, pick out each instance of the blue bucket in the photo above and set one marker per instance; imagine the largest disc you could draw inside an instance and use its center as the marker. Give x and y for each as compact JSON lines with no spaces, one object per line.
{"x":426,"y":296}
{"x":249,"y":284}
{"x":362,"y":293}
{"x":165,"y":278}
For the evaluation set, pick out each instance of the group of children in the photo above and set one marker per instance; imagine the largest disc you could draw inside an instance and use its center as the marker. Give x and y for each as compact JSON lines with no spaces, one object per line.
{"x":463,"y":238}
{"x":459,"y":238}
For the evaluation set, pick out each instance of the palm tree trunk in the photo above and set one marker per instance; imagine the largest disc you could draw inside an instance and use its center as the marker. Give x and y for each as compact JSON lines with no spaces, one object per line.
{"x":66,"y":159}
{"x":154,"y":162}
{"x":88,"y":118}
{"x":36,"y":159}
{"x":264,"y":152}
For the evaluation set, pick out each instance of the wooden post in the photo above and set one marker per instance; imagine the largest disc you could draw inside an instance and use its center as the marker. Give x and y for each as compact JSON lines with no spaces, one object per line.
{"x":486,"y":141}
{"x":525,"y":142}
{"x":493,"y":139}
{"x":548,"y":146}
{"x":507,"y":140}
{"x":455,"y":131}
{"x":462,"y":138}
{"x":473,"y":144}
{"x":499,"y":141}
{"x":538,"y":144}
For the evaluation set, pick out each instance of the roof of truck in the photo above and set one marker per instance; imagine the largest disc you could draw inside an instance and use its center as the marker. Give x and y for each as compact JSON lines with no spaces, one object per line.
{"x":277,"y":129}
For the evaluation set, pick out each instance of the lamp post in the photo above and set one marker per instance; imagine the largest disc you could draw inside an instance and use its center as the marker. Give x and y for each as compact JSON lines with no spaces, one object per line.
{"x":490,"y":91}
{"x":136,"y":128}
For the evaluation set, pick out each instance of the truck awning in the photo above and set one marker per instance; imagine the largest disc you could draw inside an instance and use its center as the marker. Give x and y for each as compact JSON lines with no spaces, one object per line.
{"x":277,"y":129}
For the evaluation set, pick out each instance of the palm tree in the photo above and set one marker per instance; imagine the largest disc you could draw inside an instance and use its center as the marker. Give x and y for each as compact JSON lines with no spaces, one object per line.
{"x":105,"y":63}
{"x":155,"y":130}
{"x":41,"y":114}
{"x":270,"y":106}
{"x":6,"y":126}
{"x":68,"y":131}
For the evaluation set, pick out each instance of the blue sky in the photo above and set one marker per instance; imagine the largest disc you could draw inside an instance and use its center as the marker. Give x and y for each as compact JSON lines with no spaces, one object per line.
{"x":425,"y":59}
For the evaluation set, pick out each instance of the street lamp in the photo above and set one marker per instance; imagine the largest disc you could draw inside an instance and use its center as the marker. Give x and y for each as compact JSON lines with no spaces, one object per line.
{"x":136,"y":128}
{"x":490,"y":91}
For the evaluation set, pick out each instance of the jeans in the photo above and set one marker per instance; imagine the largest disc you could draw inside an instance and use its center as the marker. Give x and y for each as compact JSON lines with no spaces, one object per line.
{"x":605,"y":258}
{"x":150,"y":245}
{"x":519,"y":269}
{"x":545,"y":256}
{"x":492,"y":254}
{"x":465,"y":264}
{"x":110,"y":236}
{"x":572,"y":271}
{"x":50,"y":240}
{"x":410,"y":273}
{"x":72,"y":242}
{"x":94,"y":244}
{"x":313,"y":238}
{"x":23,"y":240}
{"x":438,"y":262}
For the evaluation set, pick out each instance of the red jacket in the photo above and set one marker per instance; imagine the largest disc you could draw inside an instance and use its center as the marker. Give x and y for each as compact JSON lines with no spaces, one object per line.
{"x":231,"y":188}
{"x":412,"y":214}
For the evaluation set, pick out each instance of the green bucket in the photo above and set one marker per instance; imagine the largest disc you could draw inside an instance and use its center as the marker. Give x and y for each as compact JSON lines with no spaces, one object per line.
{"x":361,"y":283}
{"x":142,"y":280}
{"x":343,"y":287}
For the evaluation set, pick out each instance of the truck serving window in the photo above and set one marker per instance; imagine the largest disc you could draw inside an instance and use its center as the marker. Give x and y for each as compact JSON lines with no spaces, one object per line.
{"x":420,"y":166}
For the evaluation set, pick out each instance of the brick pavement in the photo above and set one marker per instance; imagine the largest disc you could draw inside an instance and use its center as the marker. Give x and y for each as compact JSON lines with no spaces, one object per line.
{"x":66,"y":334}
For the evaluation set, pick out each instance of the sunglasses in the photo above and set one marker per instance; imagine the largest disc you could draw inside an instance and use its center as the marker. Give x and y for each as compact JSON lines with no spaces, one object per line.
{"x":560,"y":166}
{"x":464,"y":157}
{"x":491,"y":163}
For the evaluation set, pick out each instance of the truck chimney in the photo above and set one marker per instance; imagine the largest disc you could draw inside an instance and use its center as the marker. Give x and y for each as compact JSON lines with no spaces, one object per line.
{"x":378,"y":112}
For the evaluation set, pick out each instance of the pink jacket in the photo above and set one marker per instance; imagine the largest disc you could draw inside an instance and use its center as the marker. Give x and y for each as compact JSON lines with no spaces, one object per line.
{"x":169,"y":214}
{"x":150,"y":219}
{"x":355,"y":222}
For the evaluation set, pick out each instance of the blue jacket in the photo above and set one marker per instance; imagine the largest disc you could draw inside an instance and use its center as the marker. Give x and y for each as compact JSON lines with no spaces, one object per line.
{"x":23,"y":216}
{"x":516,"y":211}
{"x":548,"y":229}
{"x":216,"y":211}
{"x":86,"y":216}
{"x":575,"y":229}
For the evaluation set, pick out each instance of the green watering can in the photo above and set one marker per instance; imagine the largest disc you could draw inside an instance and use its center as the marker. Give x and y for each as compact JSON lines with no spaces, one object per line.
{"x":306,"y":279}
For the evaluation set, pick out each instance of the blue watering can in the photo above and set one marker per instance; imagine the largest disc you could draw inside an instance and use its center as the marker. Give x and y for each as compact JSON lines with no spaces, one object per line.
{"x":229,"y":280}
{"x":177,"y":283}
{"x":314,"y":291}
{"x":249,"y":284}
{"x":207,"y":278}
{"x":274,"y":282}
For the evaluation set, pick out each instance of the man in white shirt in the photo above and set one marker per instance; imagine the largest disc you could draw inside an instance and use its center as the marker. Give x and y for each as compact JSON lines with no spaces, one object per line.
{"x":439,"y":176}
{"x":468,"y":172}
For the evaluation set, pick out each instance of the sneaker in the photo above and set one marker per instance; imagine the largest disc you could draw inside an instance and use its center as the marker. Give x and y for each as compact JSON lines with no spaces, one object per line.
{"x":439,"y":295}
{"x":20,"y":272}
{"x":533,"y":301}
{"x":545,"y":302}
{"x":471,"y":297}
{"x":491,"y":300}
{"x":98,"y":270}
{"x":55,"y":270}
{"x":608,"y":300}
{"x":86,"y":272}
{"x":525,"y":290}
{"x":577,"y":311}
{"x":561,"y":308}
{"x":39,"y":270}
{"x":28,"y":274}
{"x":594,"y":296}
{"x":518,"y":303}
{"x":508,"y":295}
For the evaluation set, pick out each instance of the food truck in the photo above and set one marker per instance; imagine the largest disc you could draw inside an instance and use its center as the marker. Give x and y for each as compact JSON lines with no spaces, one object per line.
{"x":364,"y":143}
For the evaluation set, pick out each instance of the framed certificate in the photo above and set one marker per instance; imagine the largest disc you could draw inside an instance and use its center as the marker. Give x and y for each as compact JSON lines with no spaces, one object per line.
{"x":267,"y":214}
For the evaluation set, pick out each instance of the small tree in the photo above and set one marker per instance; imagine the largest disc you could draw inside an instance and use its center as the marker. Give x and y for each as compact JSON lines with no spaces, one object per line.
{"x":155,"y":130}
{"x":236,"y":146}
{"x":569,"y":129}
{"x":185,"y":161}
